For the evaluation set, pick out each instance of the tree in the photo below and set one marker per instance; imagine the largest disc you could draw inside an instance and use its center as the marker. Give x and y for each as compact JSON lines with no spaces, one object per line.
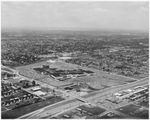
{"x":33,"y":83}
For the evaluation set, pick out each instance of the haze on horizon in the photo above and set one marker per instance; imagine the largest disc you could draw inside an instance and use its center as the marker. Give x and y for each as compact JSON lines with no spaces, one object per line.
{"x":75,"y":15}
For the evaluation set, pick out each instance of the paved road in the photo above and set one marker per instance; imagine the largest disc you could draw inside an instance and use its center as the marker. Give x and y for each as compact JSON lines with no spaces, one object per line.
{"x":64,"y":105}
{"x":53,"y":109}
{"x":119,"y":87}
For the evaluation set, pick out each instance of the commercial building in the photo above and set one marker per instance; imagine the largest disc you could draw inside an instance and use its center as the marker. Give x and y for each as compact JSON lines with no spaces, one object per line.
{"x":36,"y":88}
{"x":39,"y":93}
{"x":137,"y":92}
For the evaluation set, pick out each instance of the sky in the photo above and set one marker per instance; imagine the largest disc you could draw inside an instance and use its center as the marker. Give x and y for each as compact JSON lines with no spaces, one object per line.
{"x":75,"y":15}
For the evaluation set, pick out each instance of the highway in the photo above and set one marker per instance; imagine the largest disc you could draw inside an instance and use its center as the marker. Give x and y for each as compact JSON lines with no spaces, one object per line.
{"x":47,"y":111}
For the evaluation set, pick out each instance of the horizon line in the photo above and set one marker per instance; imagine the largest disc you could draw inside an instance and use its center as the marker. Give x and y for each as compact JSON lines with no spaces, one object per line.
{"x":76,"y":29}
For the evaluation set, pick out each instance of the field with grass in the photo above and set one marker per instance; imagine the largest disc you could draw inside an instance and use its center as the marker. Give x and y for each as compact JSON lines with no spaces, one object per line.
{"x":135,"y":111}
{"x":15,"y":113}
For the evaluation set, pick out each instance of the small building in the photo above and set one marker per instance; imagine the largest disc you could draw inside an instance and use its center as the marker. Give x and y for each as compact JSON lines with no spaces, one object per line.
{"x":39,"y":93}
{"x":79,"y":109}
{"x":51,"y":61}
{"x":123,"y":96}
{"x":36,"y":88}
{"x":114,"y":100}
{"x":139,"y":90}
{"x":129,"y":90}
{"x":17,"y":99}
{"x":74,"y":76}
{"x":66,"y":116}
{"x":65,"y":58}
{"x":117,"y":94}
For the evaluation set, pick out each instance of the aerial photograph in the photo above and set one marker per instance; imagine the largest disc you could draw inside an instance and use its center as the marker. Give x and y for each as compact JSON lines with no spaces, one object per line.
{"x":74,"y":59}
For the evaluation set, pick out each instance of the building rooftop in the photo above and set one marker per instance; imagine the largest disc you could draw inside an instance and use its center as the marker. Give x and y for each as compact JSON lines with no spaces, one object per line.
{"x":39,"y":93}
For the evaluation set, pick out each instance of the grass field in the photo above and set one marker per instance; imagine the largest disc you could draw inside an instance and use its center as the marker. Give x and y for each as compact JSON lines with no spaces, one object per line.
{"x":135,"y":111}
{"x":15,"y":113}
{"x":129,"y":109}
{"x":143,"y":114}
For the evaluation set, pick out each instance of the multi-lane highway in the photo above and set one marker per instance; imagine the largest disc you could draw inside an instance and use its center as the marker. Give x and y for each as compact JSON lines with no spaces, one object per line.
{"x":47,"y":111}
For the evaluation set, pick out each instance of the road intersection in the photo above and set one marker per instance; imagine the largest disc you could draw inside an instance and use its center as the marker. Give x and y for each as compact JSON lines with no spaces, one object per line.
{"x":68,"y":104}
